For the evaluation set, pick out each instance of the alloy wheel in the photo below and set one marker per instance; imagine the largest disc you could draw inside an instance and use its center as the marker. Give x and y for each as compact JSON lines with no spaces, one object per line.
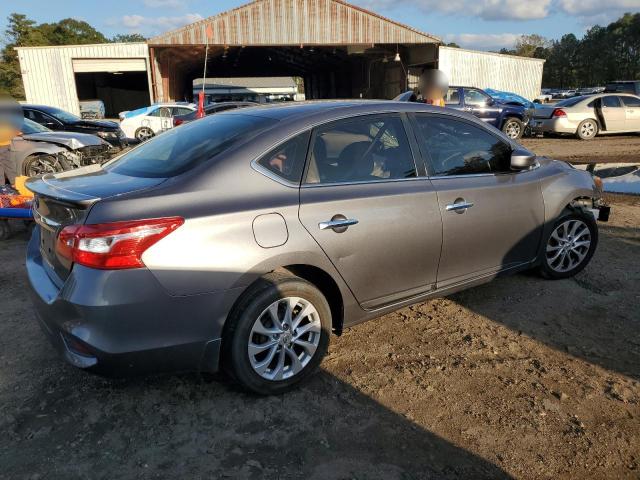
{"x":144,"y":134}
{"x":513,"y":130}
{"x":43,"y":164}
{"x":568,"y":245}
{"x":284,"y":338}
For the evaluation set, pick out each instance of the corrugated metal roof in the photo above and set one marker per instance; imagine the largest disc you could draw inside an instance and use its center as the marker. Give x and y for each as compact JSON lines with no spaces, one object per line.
{"x":296,"y":22}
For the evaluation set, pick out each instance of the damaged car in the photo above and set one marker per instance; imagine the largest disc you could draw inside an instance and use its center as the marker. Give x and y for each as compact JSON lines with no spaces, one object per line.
{"x":38,"y":150}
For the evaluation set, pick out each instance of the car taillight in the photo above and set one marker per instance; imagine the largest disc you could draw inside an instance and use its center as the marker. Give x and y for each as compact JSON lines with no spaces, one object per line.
{"x":558,"y":112}
{"x":177,"y":121}
{"x":113,"y":246}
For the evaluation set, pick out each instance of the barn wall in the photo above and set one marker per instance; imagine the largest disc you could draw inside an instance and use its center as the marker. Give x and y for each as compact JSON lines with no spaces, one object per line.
{"x":470,"y":68}
{"x":48,"y":76}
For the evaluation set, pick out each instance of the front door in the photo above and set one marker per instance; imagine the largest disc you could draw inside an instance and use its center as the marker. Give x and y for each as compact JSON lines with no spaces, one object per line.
{"x":492,"y":217}
{"x":613,"y":113}
{"x":482,"y":106}
{"x":374,"y":217}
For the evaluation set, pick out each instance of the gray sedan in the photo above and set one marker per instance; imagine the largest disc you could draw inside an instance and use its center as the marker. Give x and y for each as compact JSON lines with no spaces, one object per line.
{"x":589,"y":116}
{"x":242,"y":240}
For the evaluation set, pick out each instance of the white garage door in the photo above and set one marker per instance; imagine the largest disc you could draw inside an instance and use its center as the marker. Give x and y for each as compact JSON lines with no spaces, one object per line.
{"x":85,"y":65}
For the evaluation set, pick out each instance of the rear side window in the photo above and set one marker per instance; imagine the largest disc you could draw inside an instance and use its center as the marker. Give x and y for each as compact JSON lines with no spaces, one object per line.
{"x":611,"y":101}
{"x":631,"y":101}
{"x":362,"y":149}
{"x":179,"y":150}
{"x":459,"y":148}
{"x":287,"y":160}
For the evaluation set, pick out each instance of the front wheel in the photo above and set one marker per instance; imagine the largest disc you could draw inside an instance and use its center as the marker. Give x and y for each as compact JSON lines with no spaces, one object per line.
{"x":513,"y":128}
{"x":144,"y":133}
{"x":40,"y":164}
{"x":277,"y":334}
{"x":570,"y":245}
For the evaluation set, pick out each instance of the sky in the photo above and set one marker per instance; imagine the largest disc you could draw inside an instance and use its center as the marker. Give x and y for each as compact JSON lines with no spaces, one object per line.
{"x":476,"y":24}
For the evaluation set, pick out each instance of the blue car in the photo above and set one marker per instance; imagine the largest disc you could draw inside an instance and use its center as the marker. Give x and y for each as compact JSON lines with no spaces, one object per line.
{"x":509,"y":116}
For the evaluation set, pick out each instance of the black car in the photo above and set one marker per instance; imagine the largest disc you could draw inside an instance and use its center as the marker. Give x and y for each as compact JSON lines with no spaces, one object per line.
{"x":57,"y":119}
{"x":210,"y":110}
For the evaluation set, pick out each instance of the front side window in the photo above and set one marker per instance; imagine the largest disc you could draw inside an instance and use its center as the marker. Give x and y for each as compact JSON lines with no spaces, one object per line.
{"x":181,"y":149}
{"x":368,"y":148}
{"x":287,"y":160}
{"x":456,"y":147}
{"x":474,"y":97}
{"x":611,"y":101}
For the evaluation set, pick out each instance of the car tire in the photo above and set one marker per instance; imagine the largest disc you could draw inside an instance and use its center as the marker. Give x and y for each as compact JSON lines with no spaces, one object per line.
{"x":513,"y":128}
{"x":259,"y":320}
{"x":40,"y":164}
{"x":564,"y":252}
{"x":143,"y":134}
{"x":588,"y":129}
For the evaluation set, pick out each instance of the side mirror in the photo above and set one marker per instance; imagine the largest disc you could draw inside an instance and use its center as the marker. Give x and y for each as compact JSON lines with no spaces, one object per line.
{"x":522,"y":159}
{"x":490,"y":103}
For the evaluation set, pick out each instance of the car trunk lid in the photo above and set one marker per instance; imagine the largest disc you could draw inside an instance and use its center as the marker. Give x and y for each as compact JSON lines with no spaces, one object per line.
{"x":66,"y":198}
{"x":543,"y":112}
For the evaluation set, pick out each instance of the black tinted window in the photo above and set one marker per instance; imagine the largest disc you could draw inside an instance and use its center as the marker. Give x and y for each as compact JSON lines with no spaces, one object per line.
{"x":287,"y":160}
{"x":631,"y":101}
{"x":179,"y":150}
{"x":611,"y":101}
{"x":459,"y":148}
{"x":368,"y":148}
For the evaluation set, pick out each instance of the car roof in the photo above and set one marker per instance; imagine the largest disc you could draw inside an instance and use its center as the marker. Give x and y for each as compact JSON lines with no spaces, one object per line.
{"x":44,"y":108}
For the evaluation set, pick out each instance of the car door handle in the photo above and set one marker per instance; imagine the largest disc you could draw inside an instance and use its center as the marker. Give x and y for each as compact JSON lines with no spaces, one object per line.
{"x":459,"y":206}
{"x":337,"y":223}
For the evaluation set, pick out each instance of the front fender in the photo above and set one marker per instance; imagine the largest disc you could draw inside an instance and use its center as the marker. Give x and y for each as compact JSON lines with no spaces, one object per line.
{"x":563,"y":186}
{"x":19,"y":151}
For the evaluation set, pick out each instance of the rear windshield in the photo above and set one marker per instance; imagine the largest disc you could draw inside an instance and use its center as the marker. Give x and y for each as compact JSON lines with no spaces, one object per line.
{"x":181,"y":149}
{"x":569,"y":102}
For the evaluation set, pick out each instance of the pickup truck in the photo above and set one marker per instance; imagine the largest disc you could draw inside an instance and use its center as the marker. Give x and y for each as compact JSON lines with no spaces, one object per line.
{"x":510,"y":117}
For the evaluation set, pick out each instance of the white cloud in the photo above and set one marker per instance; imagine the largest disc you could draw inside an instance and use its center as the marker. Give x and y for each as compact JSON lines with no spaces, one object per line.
{"x":154,"y":25}
{"x":592,"y":12}
{"x":164,"y":3}
{"x":480,"y":41}
{"x":485,"y":9}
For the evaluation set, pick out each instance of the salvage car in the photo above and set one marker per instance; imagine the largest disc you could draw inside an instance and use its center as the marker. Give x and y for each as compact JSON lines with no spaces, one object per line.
{"x":211,"y":109}
{"x":38,"y":150}
{"x":145,"y":123}
{"x":242,"y":240}
{"x":59,"y":120}
{"x":588,"y":116}
{"x":510,"y":117}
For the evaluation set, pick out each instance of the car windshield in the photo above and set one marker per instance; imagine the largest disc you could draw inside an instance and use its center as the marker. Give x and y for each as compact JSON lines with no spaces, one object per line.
{"x":30,"y":127}
{"x":569,"y":102}
{"x":61,"y":115}
{"x":179,"y":150}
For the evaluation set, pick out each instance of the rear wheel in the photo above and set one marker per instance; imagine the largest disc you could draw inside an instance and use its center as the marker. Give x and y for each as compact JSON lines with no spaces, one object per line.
{"x":513,"y":128}
{"x":277,"y":334}
{"x":587,"y":129}
{"x":144,"y":133}
{"x":40,"y":164}
{"x":570,"y":245}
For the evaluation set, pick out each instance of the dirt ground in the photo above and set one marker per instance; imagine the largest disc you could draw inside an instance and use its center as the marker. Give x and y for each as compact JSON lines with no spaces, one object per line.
{"x":603,"y":149}
{"x":520,"y":378}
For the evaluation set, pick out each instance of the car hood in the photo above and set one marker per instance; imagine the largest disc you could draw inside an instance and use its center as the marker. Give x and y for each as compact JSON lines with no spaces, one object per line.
{"x":73,"y":141}
{"x":97,"y":124}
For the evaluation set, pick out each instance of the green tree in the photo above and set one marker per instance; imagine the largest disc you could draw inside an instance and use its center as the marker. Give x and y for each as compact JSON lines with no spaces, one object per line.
{"x":127,"y":37}
{"x":70,"y":32}
{"x":528,"y":45}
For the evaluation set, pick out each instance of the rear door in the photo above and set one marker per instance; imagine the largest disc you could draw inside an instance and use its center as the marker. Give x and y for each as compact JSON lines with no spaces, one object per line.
{"x":482,"y":106}
{"x":612,"y":113}
{"x":491,"y":215}
{"x":368,"y":208}
{"x":632,"y":112}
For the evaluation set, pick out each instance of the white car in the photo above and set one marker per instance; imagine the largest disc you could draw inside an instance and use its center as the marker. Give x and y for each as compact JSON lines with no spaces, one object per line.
{"x":147,"y":122}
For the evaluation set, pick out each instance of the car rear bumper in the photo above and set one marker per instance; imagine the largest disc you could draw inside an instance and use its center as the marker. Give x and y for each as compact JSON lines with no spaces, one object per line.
{"x":553,"y":125}
{"x":120,"y":323}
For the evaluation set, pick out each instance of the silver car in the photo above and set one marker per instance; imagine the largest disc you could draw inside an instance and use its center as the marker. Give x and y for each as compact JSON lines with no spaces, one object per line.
{"x":588,"y":116}
{"x":242,"y":240}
